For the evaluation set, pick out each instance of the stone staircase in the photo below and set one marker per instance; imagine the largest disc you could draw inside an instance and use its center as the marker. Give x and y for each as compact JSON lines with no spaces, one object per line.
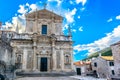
{"x":44,"y":74}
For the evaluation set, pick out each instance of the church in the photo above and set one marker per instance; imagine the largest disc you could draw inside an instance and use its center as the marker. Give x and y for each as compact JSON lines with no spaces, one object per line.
{"x":42,"y":47}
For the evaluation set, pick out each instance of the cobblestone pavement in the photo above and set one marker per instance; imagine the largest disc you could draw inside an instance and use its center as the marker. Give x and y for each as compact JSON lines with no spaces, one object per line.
{"x":61,"y":78}
{"x":86,"y":78}
{"x":46,"y":78}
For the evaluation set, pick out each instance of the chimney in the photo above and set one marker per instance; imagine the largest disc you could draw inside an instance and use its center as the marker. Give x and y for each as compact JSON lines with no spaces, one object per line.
{"x":99,"y":54}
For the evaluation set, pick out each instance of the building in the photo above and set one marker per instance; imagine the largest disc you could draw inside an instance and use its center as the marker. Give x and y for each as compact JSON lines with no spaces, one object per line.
{"x":103,"y":66}
{"x":116,"y":55}
{"x":6,"y":56}
{"x":42,"y":47}
{"x":83,"y":67}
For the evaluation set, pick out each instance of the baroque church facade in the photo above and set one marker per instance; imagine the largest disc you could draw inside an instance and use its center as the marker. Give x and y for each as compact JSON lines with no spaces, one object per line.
{"x":43,"y":47}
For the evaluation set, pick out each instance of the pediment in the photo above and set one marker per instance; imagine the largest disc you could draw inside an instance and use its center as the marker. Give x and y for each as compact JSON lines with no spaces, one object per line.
{"x":44,"y":14}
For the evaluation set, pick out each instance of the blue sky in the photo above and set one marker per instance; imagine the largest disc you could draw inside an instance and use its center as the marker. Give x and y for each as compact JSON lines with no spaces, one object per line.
{"x":95,"y":24}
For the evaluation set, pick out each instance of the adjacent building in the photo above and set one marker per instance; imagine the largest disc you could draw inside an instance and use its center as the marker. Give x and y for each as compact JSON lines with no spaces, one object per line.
{"x":103,"y":66}
{"x":116,"y":56}
{"x":6,"y":55}
{"x":83,"y":67}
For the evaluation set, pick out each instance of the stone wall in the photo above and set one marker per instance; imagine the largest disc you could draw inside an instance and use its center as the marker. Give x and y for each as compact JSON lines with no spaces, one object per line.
{"x":116,"y":57}
{"x":102,"y":68}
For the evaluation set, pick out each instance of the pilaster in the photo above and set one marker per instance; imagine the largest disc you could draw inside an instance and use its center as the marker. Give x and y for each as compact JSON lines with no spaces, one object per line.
{"x":14,"y":53}
{"x":24,"y":59}
{"x":34,"y":51}
{"x":71,"y":52}
{"x":62,"y":60}
{"x":53,"y":54}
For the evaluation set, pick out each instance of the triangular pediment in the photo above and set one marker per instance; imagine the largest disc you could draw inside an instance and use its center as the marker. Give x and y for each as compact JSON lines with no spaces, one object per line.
{"x":44,"y":14}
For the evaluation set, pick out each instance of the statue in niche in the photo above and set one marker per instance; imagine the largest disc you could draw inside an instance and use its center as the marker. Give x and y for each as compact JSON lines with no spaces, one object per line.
{"x":67,"y":59}
{"x":18,"y":63}
{"x":19,"y":59}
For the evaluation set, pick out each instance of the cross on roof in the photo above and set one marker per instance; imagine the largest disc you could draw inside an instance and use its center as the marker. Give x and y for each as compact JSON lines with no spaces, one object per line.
{"x":45,"y":4}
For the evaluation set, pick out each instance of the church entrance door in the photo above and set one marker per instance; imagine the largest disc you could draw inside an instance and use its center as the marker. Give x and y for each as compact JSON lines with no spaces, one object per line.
{"x":43,"y":66}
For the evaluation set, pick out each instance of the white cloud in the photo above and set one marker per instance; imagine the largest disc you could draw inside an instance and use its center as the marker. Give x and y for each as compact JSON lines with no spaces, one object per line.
{"x":102,"y":43}
{"x":70,"y":15}
{"x":78,"y":17}
{"x":58,"y":2}
{"x":81,"y":1}
{"x":65,"y":27}
{"x":19,"y":20}
{"x":73,"y":30}
{"x":71,"y":2}
{"x":82,"y":9}
{"x":109,"y":20}
{"x":118,"y":17}
{"x":33,"y":7}
{"x":81,"y":28}
{"x":22,"y":9}
{"x":27,"y":8}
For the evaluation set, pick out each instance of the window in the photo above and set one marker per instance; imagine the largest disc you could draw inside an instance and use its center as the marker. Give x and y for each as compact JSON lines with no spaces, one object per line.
{"x":95,"y":64}
{"x":113,"y":72}
{"x":44,"y":29}
{"x":111,"y":63}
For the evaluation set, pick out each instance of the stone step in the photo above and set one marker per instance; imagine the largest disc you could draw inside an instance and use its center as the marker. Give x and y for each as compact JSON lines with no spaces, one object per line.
{"x":44,"y":74}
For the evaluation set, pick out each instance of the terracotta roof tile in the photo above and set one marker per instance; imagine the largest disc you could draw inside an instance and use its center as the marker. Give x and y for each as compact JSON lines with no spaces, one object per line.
{"x":81,"y":63}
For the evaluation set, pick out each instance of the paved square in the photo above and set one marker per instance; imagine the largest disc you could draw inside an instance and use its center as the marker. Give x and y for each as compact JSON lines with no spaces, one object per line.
{"x":61,"y":78}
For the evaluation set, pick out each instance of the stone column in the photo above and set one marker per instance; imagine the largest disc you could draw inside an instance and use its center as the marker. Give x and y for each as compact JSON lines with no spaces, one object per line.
{"x":48,"y":63}
{"x":14,"y":57}
{"x":13,"y":53}
{"x":53,"y":55}
{"x":24,"y":59}
{"x":62,"y":60}
{"x":71,"y":51}
{"x":34,"y":51}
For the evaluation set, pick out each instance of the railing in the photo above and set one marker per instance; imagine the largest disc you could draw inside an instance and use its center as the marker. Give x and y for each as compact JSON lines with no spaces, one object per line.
{"x":29,"y":36}
{"x":63,"y":38}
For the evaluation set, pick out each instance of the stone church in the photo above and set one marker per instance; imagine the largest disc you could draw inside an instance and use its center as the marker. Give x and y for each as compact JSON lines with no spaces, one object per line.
{"x":42,"y":47}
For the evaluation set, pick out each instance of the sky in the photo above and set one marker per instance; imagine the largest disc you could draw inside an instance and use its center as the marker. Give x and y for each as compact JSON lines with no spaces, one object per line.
{"x":95,"y":24}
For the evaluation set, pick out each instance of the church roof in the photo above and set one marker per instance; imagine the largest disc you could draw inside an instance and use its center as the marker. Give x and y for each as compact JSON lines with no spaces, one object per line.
{"x":108,"y":58}
{"x":44,"y":13}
